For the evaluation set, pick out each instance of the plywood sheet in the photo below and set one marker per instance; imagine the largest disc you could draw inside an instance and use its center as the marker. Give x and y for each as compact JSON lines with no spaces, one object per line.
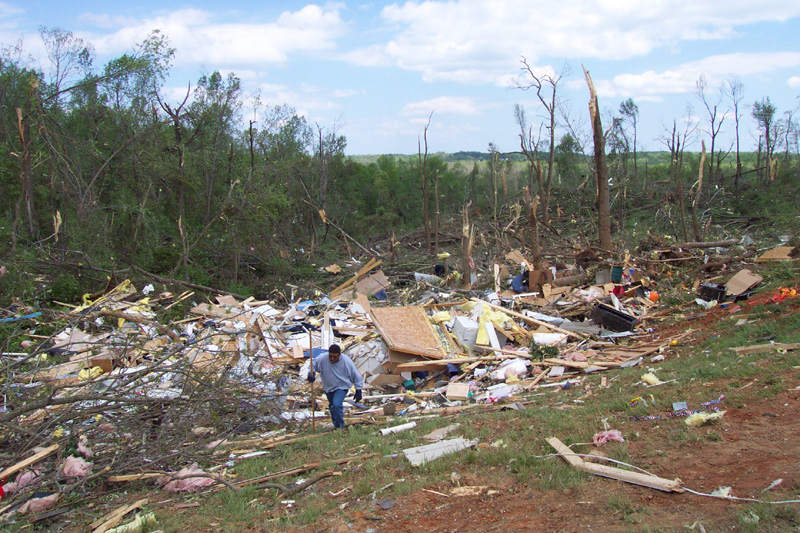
{"x":408,"y":330}
{"x":780,"y":253}
{"x":373,"y":284}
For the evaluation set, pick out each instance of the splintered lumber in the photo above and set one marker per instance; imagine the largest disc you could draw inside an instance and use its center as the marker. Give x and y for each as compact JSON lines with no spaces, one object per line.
{"x":13,"y":469}
{"x":134,"y":477}
{"x":372,"y":263}
{"x":114,"y":517}
{"x":636,"y":478}
{"x":408,"y":330}
{"x":439,"y":364}
{"x":570,"y":364}
{"x":530,"y":320}
{"x":762,"y":348}
{"x":538,"y":379}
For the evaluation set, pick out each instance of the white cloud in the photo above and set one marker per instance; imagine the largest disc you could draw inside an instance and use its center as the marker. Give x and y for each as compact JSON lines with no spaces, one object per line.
{"x":346,"y":93}
{"x":443,"y":105}
{"x":794,"y":81}
{"x":682,"y":78}
{"x":309,"y":98}
{"x":8,"y":10}
{"x":475,"y":41}
{"x":105,"y":21}
{"x":200,"y":41}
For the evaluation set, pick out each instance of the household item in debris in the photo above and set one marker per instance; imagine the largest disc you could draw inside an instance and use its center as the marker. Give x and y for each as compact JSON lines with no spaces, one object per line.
{"x":465,"y":330}
{"x":613,"y":319}
{"x":712,"y":291}
{"x":616,"y":274}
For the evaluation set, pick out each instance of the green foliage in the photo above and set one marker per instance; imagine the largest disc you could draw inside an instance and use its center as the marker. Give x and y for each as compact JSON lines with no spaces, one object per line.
{"x":65,"y":288}
{"x":539,"y":352}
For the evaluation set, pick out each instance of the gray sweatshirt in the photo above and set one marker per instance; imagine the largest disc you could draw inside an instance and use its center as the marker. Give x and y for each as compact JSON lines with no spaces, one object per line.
{"x":337,"y":376}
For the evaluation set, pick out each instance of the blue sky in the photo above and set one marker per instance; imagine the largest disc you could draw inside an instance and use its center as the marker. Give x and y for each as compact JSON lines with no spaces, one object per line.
{"x":376,"y":71}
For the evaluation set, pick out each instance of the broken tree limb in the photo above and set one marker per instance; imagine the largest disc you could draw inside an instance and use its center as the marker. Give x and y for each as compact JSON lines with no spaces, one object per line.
{"x":326,"y":220}
{"x":287,"y":491}
{"x":300,"y":470}
{"x":140,"y":320}
{"x":711,"y":244}
{"x":530,"y":320}
{"x":637,"y":478}
{"x":169,"y":281}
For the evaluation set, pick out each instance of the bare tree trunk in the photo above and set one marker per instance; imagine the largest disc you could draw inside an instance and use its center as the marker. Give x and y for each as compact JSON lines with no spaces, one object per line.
{"x":531,"y":205}
{"x":467,"y":241}
{"x":601,"y":168}
{"x":698,"y":195}
{"x":436,"y":214}
{"x":26,"y":198}
{"x":424,"y":178}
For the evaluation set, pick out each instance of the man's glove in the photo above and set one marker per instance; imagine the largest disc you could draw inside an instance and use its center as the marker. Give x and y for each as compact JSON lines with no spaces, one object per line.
{"x":357,"y":396}
{"x":311,"y":377}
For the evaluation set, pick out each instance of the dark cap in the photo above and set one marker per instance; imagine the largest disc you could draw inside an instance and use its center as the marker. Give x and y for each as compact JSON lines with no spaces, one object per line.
{"x":335,"y":349}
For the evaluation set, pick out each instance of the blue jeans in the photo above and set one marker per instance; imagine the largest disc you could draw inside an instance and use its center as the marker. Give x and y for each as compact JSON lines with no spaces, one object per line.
{"x":336,"y":405}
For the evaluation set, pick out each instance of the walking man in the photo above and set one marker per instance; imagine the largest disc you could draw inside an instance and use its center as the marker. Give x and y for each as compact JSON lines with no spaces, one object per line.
{"x":338,"y":374}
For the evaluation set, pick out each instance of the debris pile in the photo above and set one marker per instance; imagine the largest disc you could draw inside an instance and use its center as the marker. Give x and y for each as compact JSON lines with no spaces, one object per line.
{"x":122,"y":395}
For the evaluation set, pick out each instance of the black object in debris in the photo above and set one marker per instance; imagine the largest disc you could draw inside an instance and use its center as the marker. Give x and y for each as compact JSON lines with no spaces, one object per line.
{"x":438,"y":270}
{"x":743,"y":296}
{"x":712,"y":291}
{"x":611,"y":318}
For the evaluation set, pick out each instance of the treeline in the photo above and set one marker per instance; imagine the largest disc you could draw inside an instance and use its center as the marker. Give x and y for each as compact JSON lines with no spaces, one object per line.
{"x":99,"y":168}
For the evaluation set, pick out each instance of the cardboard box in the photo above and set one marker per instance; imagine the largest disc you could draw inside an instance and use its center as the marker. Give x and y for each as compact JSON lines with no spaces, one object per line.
{"x":457,"y":391}
{"x":465,"y":330}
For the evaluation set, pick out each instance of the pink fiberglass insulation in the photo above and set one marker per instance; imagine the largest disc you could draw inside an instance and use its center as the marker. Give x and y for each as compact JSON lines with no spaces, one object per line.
{"x":188,"y":483}
{"x":603,"y":437}
{"x":38,"y":505}
{"x":75,"y":467}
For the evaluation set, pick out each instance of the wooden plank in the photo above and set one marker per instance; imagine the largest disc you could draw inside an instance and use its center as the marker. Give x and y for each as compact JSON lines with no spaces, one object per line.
{"x":115,"y":517}
{"x":134,"y":477}
{"x":571,"y":364}
{"x":762,"y":348}
{"x":636,"y":478}
{"x":407,"y":330}
{"x":439,"y":364}
{"x":13,"y":469}
{"x":372,"y":263}
{"x":537,"y":380}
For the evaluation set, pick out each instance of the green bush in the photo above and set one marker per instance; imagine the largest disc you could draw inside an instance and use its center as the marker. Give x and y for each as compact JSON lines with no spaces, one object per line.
{"x":65,"y":288}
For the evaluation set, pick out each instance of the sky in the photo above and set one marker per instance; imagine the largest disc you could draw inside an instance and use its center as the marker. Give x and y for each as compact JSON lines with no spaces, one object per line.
{"x":379,"y":72}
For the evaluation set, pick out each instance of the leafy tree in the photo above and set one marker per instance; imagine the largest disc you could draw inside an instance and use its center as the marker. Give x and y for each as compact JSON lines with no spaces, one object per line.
{"x":764,"y":115}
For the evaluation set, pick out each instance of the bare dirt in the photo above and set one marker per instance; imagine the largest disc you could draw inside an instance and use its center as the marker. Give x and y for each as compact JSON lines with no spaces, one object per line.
{"x":755,"y":444}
